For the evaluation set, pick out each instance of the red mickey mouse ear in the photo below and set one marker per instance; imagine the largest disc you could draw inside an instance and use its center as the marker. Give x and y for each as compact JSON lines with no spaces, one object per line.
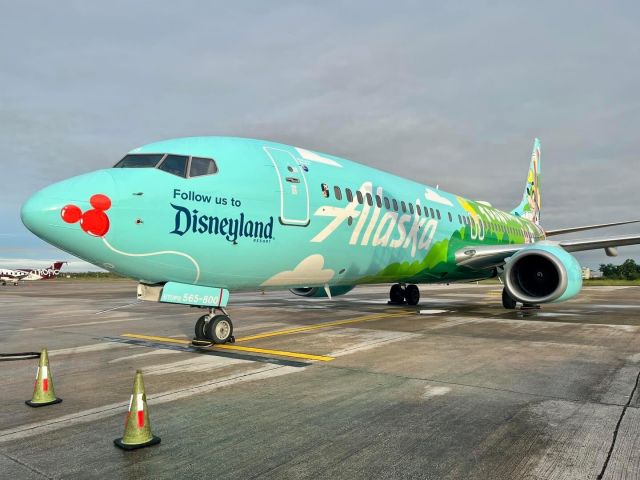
{"x":100,"y":202}
{"x":70,"y":213}
{"x":95,"y":222}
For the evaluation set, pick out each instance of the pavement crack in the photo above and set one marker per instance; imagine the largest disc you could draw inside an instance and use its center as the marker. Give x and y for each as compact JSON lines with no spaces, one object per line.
{"x":480,"y":387}
{"x":28,"y":467}
{"x":617,"y":429}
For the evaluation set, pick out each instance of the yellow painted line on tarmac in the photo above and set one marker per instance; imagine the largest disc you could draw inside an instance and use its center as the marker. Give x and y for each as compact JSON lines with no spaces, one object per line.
{"x":279,"y":353}
{"x":157,"y":339}
{"x":289,"y":331}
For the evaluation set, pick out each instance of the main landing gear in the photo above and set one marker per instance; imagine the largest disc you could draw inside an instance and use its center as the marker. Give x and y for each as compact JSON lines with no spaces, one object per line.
{"x":215,"y":327}
{"x":509,"y":302}
{"x":399,"y":294}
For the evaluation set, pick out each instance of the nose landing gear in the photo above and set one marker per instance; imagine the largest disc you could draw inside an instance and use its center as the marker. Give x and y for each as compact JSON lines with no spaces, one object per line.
{"x":214,"y":328}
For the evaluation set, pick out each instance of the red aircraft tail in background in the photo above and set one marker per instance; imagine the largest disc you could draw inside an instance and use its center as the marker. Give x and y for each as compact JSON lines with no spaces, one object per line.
{"x":13,"y":275}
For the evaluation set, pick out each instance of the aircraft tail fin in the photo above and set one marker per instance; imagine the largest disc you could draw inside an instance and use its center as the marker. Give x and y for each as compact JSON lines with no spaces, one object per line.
{"x":529,"y":207}
{"x":53,"y":270}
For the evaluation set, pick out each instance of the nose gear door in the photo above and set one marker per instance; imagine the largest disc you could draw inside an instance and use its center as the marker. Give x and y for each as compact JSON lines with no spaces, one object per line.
{"x":294,"y":193}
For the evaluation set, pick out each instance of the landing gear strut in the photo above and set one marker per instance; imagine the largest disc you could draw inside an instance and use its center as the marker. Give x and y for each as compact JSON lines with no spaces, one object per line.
{"x":399,"y":295}
{"x":214,"y":328}
{"x":508,"y":301}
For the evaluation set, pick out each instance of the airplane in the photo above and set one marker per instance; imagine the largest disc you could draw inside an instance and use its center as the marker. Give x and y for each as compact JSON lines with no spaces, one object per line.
{"x":192,"y":219}
{"x":14,"y":275}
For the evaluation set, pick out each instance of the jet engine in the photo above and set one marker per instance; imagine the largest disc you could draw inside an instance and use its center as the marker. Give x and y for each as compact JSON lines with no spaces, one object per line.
{"x":542,"y":274}
{"x":319,"y":292}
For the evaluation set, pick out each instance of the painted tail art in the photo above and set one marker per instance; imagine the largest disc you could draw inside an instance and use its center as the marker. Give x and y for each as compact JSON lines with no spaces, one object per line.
{"x":530,"y":206}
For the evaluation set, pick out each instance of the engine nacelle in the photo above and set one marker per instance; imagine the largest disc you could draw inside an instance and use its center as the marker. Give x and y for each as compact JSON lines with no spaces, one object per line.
{"x":319,"y":292}
{"x":542,"y":273}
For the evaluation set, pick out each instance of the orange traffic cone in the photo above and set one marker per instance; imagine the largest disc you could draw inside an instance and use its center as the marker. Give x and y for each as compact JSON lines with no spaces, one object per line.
{"x":43,"y":392}
{"x":137,"y":429}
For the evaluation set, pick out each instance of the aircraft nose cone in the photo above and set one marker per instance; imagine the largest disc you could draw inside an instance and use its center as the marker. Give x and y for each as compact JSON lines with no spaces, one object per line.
{"x":52,"y":212}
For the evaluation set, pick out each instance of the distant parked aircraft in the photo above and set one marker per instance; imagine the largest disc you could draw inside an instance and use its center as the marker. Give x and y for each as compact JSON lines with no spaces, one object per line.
{"x":14,"y":275}
{"x":193,"y":218}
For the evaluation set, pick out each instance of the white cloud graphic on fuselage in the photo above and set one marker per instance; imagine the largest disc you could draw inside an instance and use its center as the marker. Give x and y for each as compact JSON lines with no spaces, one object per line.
{"x":308,"y":272}
{"x":432,"y":196}
{"x":314,"y":157}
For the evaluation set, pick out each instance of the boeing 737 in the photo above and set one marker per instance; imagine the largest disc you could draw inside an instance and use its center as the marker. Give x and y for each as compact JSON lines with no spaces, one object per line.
{"x":14,"y":275}
{"x":194,"y":218}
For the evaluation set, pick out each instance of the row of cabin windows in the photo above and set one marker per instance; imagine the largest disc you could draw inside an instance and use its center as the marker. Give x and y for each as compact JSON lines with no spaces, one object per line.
{"x":498,"y":227}
{"x":408,"y":207}
{"x":389,"y":204}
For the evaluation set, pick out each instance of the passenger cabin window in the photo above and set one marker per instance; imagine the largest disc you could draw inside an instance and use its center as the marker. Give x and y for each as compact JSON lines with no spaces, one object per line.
{"x":419,"y":210}
{"x":174,"y":164}
{"x":349,"y":194}
{"x":411,"y":208}
{"x":369,"y":199}
{"x":202,"y":166}
{"x":395,"y":204}
{"x":337,"y":193}
{"x":378,"y":201}
{"x":387,"y":205}
{"x":450,"y":217}
{"x":325,"y":190}
{"x":360,"y":198}
{"x":404,"y":206}
{"x":140,"y":160}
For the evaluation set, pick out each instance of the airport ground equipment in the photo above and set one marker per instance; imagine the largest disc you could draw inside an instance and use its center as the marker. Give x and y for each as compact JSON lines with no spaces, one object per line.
{"x":137,"y":429}
{"x":43,"y":391}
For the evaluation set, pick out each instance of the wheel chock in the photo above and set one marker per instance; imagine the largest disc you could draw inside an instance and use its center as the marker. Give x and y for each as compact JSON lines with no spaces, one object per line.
{"x":43,"y":392}
{"x":199,"y":342}
{"x":137,"y":428}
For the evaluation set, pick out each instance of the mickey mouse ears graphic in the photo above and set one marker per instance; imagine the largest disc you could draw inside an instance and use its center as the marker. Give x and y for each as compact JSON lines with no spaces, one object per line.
{"x":94,"y":222}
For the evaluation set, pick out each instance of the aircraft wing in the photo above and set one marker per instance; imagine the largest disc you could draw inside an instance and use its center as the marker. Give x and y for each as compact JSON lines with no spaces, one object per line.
{"x":550,"y":233}
{"x":490,"y":256}
{"x":594,"y":244}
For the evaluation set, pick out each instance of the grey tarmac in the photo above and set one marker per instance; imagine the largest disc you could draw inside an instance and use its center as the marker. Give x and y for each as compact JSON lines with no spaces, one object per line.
{"x":455,"y":388}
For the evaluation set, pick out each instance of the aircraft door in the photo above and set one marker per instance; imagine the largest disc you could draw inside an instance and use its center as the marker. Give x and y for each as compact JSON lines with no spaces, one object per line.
{"x":294,"y":193}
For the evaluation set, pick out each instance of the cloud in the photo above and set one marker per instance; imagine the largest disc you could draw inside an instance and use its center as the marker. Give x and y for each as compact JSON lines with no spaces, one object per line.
{"x":432,"y":196}
{"x":308,"y":272}
{"x":314,"y":157}
{"x":72,"y":265}
{"x":438,"y":93}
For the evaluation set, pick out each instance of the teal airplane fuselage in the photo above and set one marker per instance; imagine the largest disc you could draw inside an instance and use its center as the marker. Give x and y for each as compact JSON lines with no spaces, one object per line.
{"x":266,"y":215}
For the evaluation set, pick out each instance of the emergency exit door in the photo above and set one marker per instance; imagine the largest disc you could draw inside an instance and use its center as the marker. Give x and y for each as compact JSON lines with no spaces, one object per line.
{"x":294,"y":194}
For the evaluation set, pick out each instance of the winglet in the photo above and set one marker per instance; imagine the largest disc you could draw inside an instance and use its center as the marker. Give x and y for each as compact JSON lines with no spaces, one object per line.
{"x":530,"y":205}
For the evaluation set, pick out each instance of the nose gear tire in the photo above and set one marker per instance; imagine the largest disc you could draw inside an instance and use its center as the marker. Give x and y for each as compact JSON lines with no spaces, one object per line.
{"x":219,"y":329}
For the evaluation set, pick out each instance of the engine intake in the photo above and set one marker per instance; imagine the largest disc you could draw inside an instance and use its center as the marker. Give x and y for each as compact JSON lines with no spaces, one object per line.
{"x":542,"y":274}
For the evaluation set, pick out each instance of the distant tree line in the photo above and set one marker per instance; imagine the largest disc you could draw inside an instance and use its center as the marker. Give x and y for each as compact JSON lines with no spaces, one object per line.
{"x":90,"y":275}
{"x":629,"y":270}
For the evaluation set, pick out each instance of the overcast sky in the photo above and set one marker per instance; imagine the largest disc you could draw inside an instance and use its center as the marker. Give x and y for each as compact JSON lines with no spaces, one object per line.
{"x":448,"y":93}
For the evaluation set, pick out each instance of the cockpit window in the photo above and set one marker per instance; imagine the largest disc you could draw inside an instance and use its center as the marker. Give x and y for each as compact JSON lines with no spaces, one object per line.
{"x":139,"y":160}
{"x":170,"y":163}
{"x":175,"y":164}
{"x":202,"y":166}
